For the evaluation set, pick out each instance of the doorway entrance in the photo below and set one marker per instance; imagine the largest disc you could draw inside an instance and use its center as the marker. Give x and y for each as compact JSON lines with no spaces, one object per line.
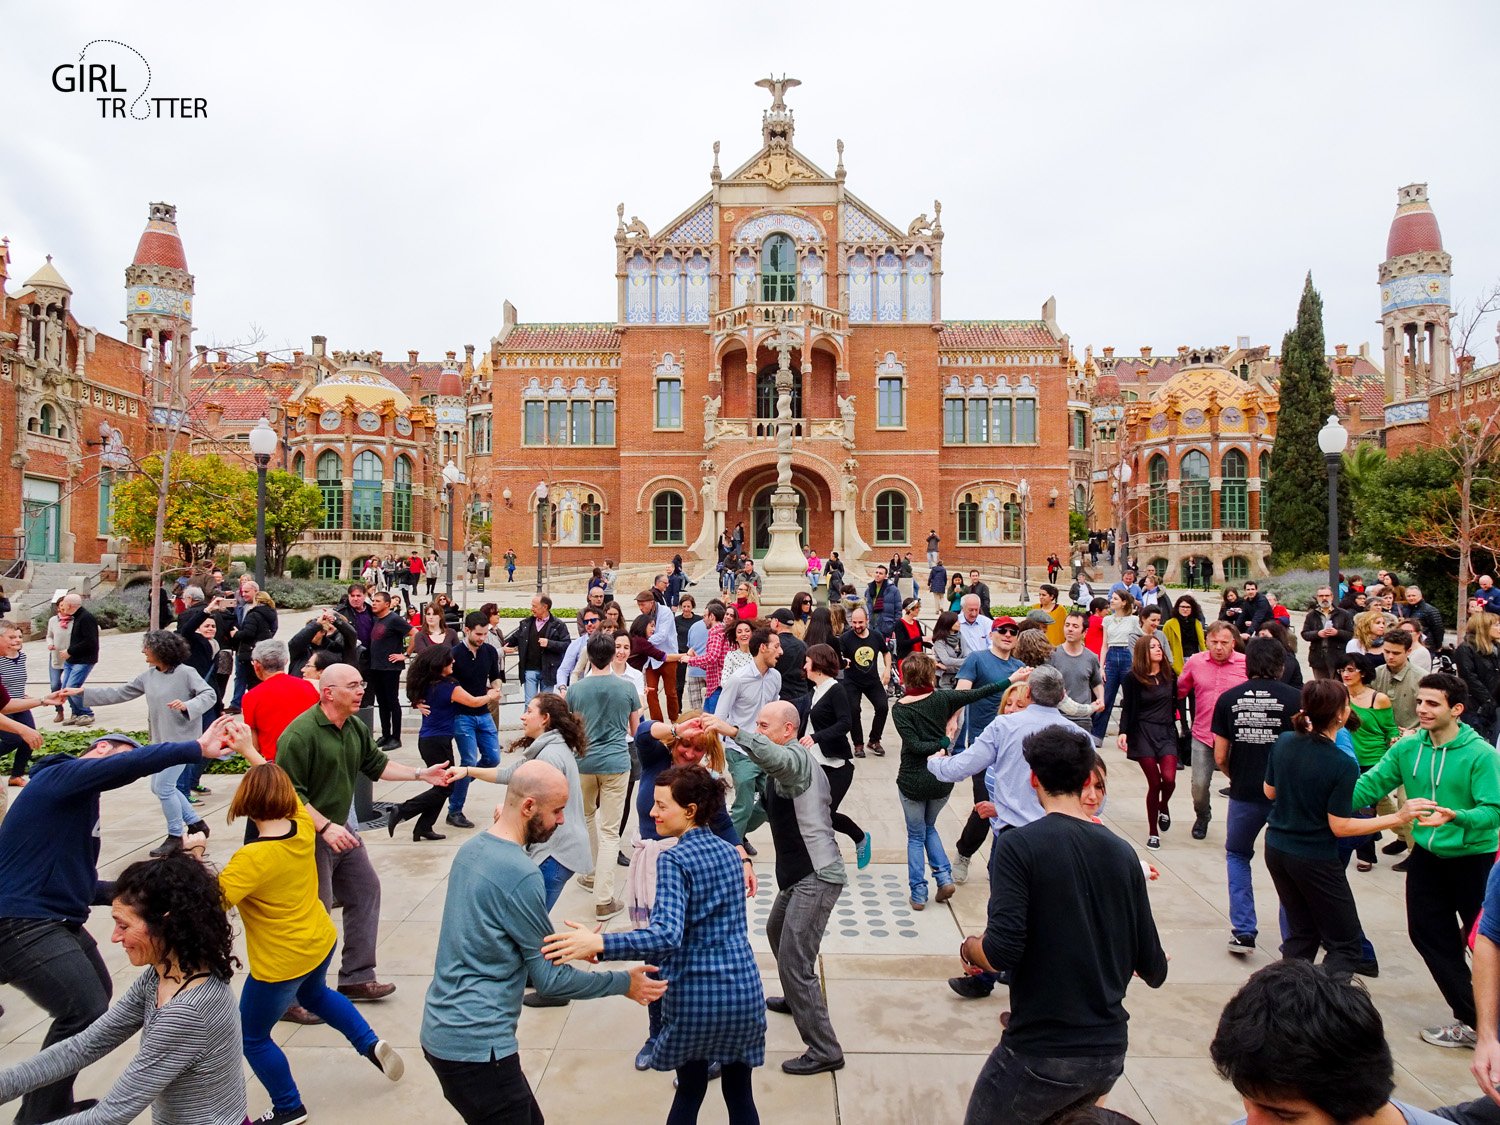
{"x":41,"y":508}
{"x":760,"y":521}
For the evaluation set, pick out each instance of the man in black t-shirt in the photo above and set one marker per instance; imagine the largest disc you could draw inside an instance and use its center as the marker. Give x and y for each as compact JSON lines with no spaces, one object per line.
{"x":867,"y":669}
{"x":387,"y":659}
{"x":1070,"y":919}
{"x":1247,"y":721}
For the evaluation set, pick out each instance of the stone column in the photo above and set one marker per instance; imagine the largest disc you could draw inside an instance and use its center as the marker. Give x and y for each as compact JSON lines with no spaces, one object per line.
{"x":784,"y":565}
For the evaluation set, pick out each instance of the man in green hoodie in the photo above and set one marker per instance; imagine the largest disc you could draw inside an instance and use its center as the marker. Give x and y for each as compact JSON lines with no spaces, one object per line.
{"x":1453,"y":847}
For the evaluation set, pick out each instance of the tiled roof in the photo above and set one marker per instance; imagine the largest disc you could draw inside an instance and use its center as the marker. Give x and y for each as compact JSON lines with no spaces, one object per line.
{"x":160,"y":248}
{"x":586,"y":337}
{"x":995,"y":334}
{"x":242,"y":395}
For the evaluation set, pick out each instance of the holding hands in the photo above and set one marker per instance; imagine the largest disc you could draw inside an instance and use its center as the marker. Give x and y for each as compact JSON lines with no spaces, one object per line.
{"x":585,"y":944}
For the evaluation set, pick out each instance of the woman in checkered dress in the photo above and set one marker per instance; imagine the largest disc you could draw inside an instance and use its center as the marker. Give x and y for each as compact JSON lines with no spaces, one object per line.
{"x":713,"y":1010}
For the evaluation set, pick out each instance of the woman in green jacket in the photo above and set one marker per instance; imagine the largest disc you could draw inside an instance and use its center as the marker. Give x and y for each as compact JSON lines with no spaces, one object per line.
{"x":922,"y":716}
{"x":1184,"y":631}
{"x":1375,"y":732}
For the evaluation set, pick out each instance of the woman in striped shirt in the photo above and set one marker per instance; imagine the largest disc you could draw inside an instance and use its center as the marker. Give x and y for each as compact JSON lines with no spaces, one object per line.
{"x":170,"y":921}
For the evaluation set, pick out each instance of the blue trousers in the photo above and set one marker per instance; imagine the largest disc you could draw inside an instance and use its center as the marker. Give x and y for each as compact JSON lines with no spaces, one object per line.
{"x":262,"y":1004}
{"x":554,"y":878}
{"x":924,"y":845}
{"x":1116,"y":668}
{"x":478,"y":745}
{"x":73,"y":675}
{"x":1246,"y":819}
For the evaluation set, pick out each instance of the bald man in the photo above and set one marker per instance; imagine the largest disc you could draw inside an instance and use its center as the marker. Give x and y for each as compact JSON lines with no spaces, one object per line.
{"x":809,"y":872}
{"x":322,"y":751}
{"x":80,"y":656}
{"x":494,"y":922}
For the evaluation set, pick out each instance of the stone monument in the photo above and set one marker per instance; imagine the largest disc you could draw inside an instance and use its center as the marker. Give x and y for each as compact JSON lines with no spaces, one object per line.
{"x":784,"y":567}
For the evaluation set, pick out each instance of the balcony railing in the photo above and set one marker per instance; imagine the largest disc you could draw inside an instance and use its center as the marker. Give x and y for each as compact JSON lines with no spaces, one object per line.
{"x":761,"y":314}
{"x":1220,"y":536}
{"x":765,"y":428}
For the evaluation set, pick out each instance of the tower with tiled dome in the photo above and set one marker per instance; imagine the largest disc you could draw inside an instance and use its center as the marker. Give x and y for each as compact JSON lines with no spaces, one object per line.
{"x":1415,"y":305}
{"x":159,"y":306}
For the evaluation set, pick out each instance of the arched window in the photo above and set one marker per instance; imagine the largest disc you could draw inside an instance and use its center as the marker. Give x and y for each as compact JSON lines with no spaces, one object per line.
{"x":778,"y":269}
{"x":299,"y":467}
{"x":667,"y":518}
{"x":331,"y":484}
{"x":1265,"y":475}
{"x":329,"y":567}
{"x":401,"y":497}
{"x":1080,"y":499}
{"x":1010,"y":520}
{"x":48,"y":420}
{"x":1156,"y":508}
{"x":591,"y":521}
{"x":968,"y":519}
{"x":890,"y":518}
{"x":1194,"y":508}
{"x":1234,"y":495}
{"x":765,"y":394}
{"x":368,"y":473}
{"x":1236,"y":568}
{"x":106,"y":501}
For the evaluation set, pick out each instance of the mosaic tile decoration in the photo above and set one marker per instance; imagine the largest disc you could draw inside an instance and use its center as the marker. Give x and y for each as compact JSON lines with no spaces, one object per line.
{"x":697,"y":227}
{"x":860,"y":227}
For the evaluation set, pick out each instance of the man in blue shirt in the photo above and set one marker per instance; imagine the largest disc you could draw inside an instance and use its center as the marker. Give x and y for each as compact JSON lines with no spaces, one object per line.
{"x":1127,"y":584}
{"x":1489,"y":594}
{"x":984,"y":666}
{"x":476,"y":665}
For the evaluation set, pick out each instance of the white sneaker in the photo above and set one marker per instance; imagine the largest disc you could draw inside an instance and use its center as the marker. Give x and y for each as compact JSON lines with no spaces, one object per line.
{"x":961,"y":869}
{"x":1455,"y":1034}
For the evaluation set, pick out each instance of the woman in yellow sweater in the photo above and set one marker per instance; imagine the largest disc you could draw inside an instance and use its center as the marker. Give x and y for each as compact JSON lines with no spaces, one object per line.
{"x":273,"y":880}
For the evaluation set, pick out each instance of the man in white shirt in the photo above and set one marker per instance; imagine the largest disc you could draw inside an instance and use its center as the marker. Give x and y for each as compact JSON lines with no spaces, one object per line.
{"x":973,"y":626}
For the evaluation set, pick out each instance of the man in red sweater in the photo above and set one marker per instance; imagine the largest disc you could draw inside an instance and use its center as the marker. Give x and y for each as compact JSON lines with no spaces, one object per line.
{"x":277,"y":699}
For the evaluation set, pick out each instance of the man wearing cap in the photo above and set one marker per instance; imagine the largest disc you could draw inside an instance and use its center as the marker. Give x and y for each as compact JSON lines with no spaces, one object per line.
{"x":791,"y":663}
{"x":990,"y":665}
{"x":49,"y":877}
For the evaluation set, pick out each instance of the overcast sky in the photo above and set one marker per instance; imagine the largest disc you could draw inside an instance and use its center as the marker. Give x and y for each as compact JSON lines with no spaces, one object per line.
{"x":387,"y":174}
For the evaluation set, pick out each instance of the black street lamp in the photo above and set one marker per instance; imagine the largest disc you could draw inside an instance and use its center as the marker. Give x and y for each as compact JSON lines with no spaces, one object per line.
{"x":263,"y":443}
{"x":451,"y":476}
{"x":541,"y":530}
{"x":1023,"y":490}
{"x":1333,"y":439}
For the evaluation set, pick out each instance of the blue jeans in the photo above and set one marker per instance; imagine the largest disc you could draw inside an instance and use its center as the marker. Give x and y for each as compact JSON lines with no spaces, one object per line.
{"x":1029,"y":1089}
{"x":1116,"y":668}
{"x":531,"y":683}
{"x":924,"y":845}
{"x":554,"y":877}
{"x":73,"y":675}
{"x":262,"y":1004}
{"x":713,"y":699}
{"x":1246,"y":819}
{"x":174,"y":806}
{"x":478,"y":745}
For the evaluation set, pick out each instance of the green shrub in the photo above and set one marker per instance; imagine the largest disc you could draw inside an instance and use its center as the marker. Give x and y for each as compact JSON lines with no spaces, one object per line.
{"x":304,"y":593}
{"x":75,"y":742}
{"x":301,"y":568}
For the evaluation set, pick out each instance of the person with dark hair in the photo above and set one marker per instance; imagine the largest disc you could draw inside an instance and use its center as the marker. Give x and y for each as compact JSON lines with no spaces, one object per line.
{"x":273,"y":882}
{"x":1291,"y":670}
{"x":744,"y":695}
{"x":1374,"y":730}
{"x":540,"y":643}
{"x":1069,"y":919}
{"x":476,"y":669}
{"x":1327,"y":629}
{"x":1299,"y":1043}
{"x":826,"y":728}
{"x":170,"y":921}
{"x":714,"y":1010}
{"x":431,"y":688}
{"x":1310,"y":782}
{"x":176,"y":701}
{"x":1205,"y":677}
{"x":1148,"y":730}
{"x":49,"y":856}
{"x":1121,"y":629}
{"x":995,"y":663}
{"x":490,"y":945}
{"x":1247,"y":721}
{"x":1448,"y":764}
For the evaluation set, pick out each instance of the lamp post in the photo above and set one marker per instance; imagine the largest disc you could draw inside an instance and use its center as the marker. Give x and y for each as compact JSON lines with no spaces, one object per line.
{"x":451,"y":477}
{"x":1122,"y":540}
{"x":263,"y":443}
{"x":541,"y":529}
{"x":1333,"y":439}
{"x":1023,"y":490}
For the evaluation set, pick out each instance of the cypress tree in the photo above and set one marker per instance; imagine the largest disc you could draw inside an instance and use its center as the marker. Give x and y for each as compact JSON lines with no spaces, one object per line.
{"x":1296,"y":496}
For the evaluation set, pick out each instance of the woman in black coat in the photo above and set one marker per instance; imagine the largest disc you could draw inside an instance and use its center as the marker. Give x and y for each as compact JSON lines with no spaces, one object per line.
{"x":826,"y":734}
{"x":1478,"y":659}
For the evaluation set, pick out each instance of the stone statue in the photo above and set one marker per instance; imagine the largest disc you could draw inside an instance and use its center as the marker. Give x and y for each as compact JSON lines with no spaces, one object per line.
{"x":919,"y":225}
{"x":778,"y":88}
{"x":710,"y":419}
{"x":637,"y":228}
{"x":846,"y":412}
{"x":937,"y":216}
{"x":716,"y":171}
{"x":620,"y":218}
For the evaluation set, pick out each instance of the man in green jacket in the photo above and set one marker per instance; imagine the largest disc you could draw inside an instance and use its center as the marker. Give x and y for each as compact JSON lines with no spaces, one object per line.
{"x":1453,"y":847}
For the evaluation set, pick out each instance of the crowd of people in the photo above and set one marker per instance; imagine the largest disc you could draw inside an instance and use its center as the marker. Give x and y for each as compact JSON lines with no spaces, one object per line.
{"x":712,"y":727}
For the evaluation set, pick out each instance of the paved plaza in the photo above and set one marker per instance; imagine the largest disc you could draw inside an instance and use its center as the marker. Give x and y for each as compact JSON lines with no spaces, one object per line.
{"x":913,"y":1048}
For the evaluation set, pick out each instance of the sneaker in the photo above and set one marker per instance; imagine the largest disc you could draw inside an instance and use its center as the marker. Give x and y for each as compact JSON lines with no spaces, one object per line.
{"x":84,"y":721}
{"x":586,"y":882}
{"x":202,"y":792}
{"x":859,"y":751}
{"x":945,"y":892}
{"x":1200,"y":828}
{"x":960,"y":866}
{"x":604,"y":911}
{"x":1395,"y":847}
{"x":877,"y":749}
{"x":861,"y":853}
{"x":1163,"y":820}
{"x":1153,"y":842}
{"x":282,"y":1117}
{"x":1242,"y":943}
{"x":1454,"y":1034}
{"x":387,"y":1059}
{"x":971,"y":988}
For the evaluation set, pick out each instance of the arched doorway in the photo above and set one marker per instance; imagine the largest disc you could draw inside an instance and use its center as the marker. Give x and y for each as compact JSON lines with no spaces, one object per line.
{"x":760,"y":520}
